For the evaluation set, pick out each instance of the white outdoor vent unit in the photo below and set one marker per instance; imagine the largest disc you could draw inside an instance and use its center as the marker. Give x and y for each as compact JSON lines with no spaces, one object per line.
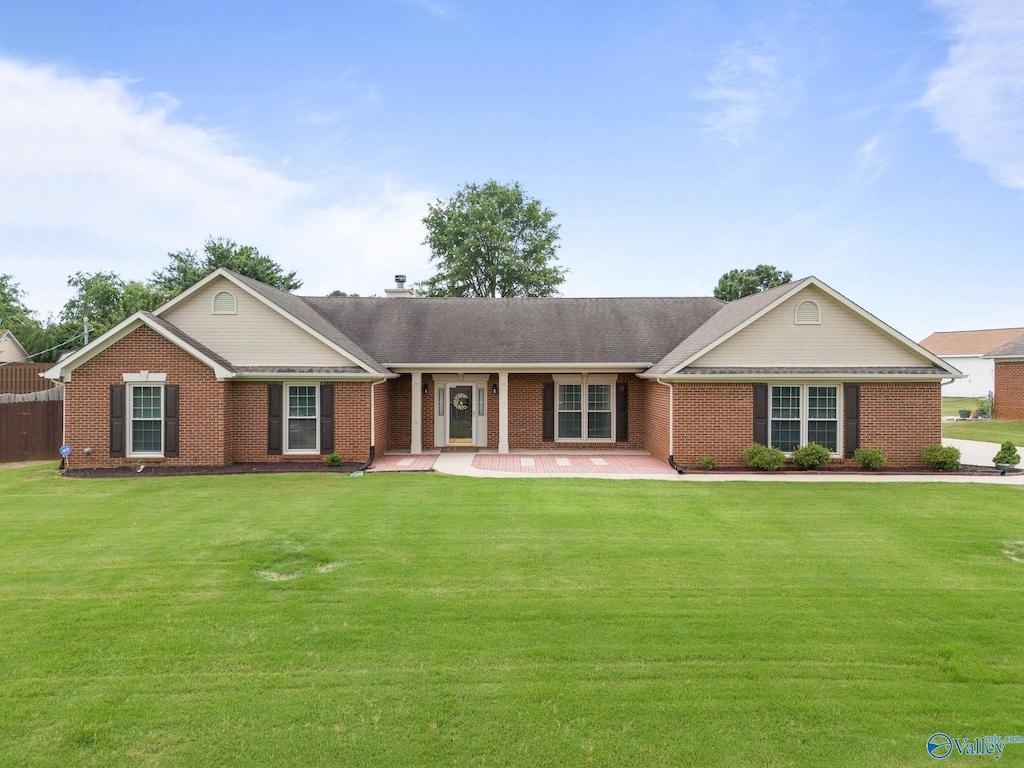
{"x":224,"y":303}
{"x":808,"y":313}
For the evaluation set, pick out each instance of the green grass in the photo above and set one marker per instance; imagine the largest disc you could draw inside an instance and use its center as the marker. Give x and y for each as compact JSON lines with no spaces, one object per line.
{"x":432,"y":620}
{"x":951,"y":406}
{"x":993,"y":431}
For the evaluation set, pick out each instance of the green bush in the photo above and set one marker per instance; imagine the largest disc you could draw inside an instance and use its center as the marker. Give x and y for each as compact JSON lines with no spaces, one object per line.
{"x":811,"y":456}
{"x":333,"y":459}
{"x":708,"y":462}
{"x":762,"y":457}
{"x":982,"y":407}
{"x":1007,"y":454}
{"x":870,"y":458}
{"x":941,"y":457}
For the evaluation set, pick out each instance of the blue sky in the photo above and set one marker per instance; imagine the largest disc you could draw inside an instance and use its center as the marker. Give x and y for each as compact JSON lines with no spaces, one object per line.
{"x":877,"y":145}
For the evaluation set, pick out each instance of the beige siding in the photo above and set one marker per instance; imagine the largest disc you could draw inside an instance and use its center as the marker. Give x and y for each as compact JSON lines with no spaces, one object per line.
{"x":843,"y":338}
{"x":256,"y":335}
{"x":10,"y":350}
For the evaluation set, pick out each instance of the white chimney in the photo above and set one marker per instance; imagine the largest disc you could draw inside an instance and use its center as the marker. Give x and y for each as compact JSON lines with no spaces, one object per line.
{"x":399,"y":291}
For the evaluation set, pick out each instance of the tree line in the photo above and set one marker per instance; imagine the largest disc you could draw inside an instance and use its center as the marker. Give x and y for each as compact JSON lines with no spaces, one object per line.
{"x":486,"y":240}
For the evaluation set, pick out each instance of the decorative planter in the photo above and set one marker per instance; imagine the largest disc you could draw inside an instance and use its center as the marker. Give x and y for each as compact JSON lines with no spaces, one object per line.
{"x":964,"y":414}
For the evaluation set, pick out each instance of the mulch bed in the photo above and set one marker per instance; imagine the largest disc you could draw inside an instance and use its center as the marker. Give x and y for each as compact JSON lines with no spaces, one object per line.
{"x":267,"y":468}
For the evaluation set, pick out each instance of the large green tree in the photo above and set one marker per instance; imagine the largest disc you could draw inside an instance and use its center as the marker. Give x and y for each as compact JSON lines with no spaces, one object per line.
{"x":189,"y":267}
{"x":106,"y":299}
{"x":738,"y":283}
{"x":492,"y":240}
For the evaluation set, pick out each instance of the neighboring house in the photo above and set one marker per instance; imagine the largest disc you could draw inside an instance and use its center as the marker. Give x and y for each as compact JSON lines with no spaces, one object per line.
{"x":11,"y":350}
{"x":1009,"y":379}
{"x":967,"y":351}
{"x":233,"y":370}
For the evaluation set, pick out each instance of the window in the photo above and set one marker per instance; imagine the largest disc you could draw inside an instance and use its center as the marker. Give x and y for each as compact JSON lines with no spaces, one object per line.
{"x":146,"y":425}
{"x":302,"y":434}
{"x":224,"y":303}
{"x":584,"y":418}
{"x":802,"y":414}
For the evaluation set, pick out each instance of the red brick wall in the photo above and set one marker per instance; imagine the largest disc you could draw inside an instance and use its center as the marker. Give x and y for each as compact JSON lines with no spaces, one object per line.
{"x":382,"y":416}
{"x":901,"y":418}
{"x":526,"y":415}
{"x":1009,"y":390}
{"x":712,"y":419}
{"x":247,"y":428}
{"x":400,"y":411}
{"x":201,"y":401}
{"x":656,"y":419}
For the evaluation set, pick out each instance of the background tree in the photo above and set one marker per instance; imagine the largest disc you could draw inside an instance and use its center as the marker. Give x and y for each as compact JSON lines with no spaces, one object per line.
{"x":188,"y":267}
{"x":106,"y":299}
{"x":492,"y":240}
{"x":738,"y":283}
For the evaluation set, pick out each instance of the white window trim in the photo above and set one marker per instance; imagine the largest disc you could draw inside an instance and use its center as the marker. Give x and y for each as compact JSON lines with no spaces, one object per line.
{"x":286,"y":418}
{"x":796,"y":313}
{"x":583,"y":380}
{"x":803,"y":411}
{"x":213,"y":304}
{"x":129,"y":412}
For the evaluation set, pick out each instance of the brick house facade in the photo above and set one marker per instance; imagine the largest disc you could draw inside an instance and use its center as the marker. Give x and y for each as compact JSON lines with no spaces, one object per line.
{"x":205,"y":380}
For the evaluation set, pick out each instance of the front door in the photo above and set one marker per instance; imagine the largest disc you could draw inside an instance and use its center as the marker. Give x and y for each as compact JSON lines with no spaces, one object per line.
{"x":460,"y":414}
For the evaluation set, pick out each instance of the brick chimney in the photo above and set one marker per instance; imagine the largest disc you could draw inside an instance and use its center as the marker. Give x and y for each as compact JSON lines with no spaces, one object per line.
{"x":399,"y":291}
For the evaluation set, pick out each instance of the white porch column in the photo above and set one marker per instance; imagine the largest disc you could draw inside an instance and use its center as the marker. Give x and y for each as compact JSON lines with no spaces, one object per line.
{"x":502,"y":411}
{"x":416,"y":446}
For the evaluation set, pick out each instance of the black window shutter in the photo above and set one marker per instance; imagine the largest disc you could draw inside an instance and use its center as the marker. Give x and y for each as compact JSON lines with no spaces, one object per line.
{"x":851,"y":419}
{"x":326,"y":418}
{"x":117,"y":421}
{"x":622,"y":413}
{"x":171,"y":421}
{"x":549,"y":413}
{"x":275,"y":394}
{"x":761,"y":414}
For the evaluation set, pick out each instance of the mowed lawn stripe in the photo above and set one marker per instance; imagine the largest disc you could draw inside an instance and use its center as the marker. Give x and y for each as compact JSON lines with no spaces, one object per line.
{"x":425,"y":620}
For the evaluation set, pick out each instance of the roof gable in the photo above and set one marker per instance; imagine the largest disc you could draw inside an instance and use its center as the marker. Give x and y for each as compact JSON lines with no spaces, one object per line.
{"x":1014,"y":349}
{"x":763,"y":332}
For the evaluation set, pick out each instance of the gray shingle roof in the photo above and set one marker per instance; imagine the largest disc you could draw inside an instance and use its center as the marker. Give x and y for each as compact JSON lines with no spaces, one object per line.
{"x":196,"y":345}
{"x":726,"y":319}
{"x":326,"y":369}
{"x":1013,"y":348}
{"x":516,"y":330}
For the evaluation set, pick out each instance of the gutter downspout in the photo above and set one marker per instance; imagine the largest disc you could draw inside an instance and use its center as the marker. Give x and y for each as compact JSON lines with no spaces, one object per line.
{"x":373,"y":428}
{"x":671,"y":425}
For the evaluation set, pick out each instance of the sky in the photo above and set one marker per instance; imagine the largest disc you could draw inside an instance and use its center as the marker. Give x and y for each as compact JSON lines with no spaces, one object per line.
{"x":876,"y":145}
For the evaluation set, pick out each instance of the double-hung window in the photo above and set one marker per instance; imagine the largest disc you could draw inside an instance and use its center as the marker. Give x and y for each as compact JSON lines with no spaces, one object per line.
{"x":146,"y":422}
{"x":804,"y":413}
{"x":584,"y":411}
{"x":301,"y":431}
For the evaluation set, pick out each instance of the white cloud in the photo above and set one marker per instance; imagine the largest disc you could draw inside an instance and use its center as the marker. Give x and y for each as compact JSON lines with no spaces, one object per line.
{"x":94,"y":176}
{"x":978,"y":96}
{"x":871,"y":160}
{"x":748,"y":87}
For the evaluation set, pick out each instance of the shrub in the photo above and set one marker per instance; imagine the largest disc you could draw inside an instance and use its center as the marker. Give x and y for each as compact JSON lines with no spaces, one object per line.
{"x":870,"y":458}
{"x":708,"y":462}
{"x":1007,"y":454}
{"x":811,"y":456}
{"x":762,"y":457}
{"x":941,"y":457}
{"x":333,"y":459}
{"x":982,"y":407}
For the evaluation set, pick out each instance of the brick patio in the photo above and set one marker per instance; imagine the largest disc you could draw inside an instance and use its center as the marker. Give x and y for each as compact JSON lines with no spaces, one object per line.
{"x":606,"y":464}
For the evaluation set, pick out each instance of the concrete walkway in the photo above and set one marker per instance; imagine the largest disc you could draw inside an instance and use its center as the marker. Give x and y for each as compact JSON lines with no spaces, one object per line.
{"x":463,"y":464}
{"x":974,"y":452}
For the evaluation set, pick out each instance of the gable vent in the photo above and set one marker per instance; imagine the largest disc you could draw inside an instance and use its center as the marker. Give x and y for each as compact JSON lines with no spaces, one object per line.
{"x":224,"y":303}
{"x":808,"y":313}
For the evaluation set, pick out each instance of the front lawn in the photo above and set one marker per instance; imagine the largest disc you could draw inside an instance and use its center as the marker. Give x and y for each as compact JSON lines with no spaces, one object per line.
{"x":409,"y":620}
{"x":992,"y":431}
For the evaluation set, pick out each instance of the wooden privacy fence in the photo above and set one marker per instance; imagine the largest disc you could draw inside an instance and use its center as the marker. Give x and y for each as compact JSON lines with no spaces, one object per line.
{"x":31,"y":425}
{"x":19,"y":378}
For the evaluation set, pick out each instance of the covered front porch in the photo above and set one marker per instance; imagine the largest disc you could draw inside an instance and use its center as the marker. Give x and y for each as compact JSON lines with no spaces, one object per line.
{"x":505,"y":410}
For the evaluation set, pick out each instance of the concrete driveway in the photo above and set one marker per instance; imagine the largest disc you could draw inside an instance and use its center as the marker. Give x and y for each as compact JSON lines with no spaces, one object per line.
{"x":974,"y":451}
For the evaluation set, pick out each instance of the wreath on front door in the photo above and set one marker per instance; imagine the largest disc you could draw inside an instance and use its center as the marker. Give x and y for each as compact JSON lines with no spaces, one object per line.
{"x":460,"y":402}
